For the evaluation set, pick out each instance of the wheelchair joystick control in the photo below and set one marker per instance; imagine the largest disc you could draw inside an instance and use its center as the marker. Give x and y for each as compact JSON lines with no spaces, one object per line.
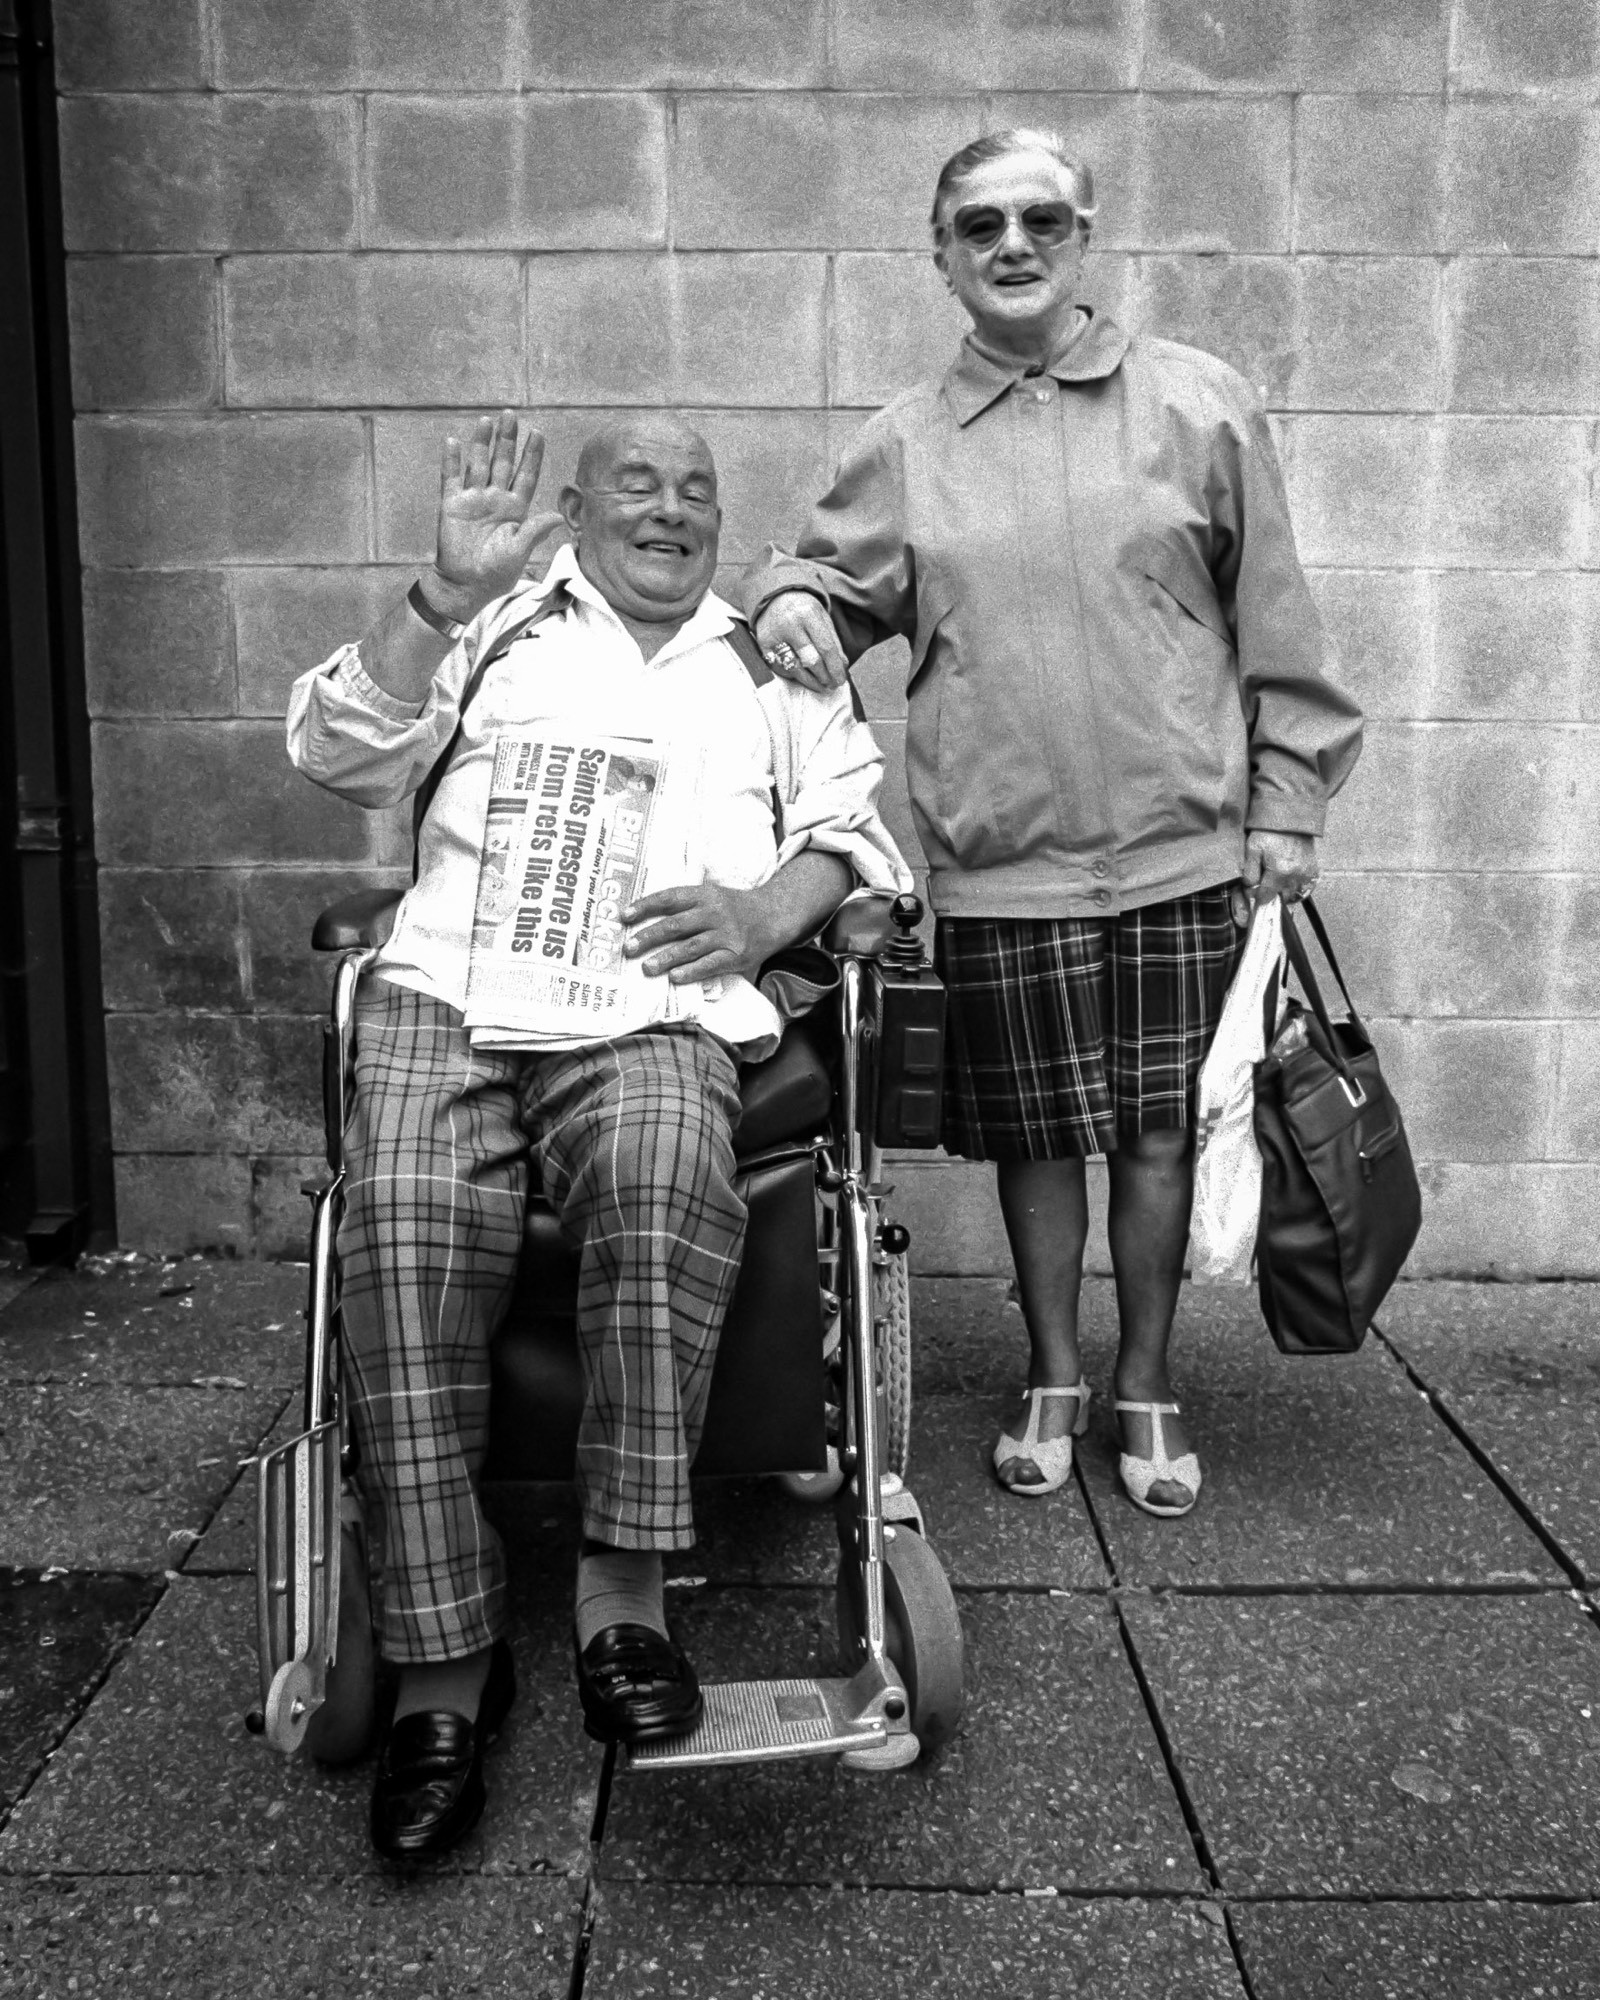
{"x":905,"y":951}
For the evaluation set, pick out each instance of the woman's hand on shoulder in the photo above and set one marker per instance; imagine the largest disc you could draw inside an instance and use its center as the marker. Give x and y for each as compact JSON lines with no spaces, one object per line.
{"x":797,"y":636}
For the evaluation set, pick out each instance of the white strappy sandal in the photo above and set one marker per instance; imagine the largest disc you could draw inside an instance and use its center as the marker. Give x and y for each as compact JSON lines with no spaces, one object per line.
{"x":1140,"y":1474}
{"x":1052,"y":1456}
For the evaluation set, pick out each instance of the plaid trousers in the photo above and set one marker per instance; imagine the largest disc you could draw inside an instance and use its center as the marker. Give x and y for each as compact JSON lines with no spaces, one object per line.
{"x":631,"y":1144}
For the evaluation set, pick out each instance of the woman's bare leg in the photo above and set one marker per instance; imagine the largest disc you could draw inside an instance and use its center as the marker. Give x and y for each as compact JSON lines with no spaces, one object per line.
{"x":1046,"y":1212}
{"x":1152,"y":1186}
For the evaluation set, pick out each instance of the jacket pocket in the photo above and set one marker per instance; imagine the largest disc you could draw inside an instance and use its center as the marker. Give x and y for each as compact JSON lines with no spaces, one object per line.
{"x":1205,"y":754}
{"x":1189,"y":586}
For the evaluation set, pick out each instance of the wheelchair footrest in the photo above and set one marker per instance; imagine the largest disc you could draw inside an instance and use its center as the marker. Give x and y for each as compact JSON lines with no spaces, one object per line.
{"x":749,"y":1722}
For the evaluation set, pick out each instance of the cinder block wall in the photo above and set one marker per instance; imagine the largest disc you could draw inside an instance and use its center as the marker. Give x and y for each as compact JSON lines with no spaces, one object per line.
{"x":306,"y":235}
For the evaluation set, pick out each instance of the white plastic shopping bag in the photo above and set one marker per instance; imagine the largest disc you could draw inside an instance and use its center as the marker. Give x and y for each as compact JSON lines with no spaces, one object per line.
{"x":1227,"y":1168}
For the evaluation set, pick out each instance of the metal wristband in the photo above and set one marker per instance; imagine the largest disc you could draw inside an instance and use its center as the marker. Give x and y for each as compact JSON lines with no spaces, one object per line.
{"x":435,"y":620}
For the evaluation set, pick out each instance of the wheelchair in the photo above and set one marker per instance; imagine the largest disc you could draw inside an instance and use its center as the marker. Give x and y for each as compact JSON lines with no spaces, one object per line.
{"x":812,"y":1378}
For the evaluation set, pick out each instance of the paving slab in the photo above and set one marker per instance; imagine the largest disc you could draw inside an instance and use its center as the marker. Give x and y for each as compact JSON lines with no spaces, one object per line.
{"x":1398,"y":1951}
{"x":148,"y":1322}
{"x":1387,"y":1745}
{"x":228,"y":1546}
{"x":985,"y":1536}
{"x":1518,"y":1366}
{"x":715,"y":1943}
{"x":162,"y":1776}
{"x":112,"y":1475}
{"x":248,"y":1937}
{"x":58,"y":1634}
{"x":1054,"y":1779}
{"x":1331,"y":1470}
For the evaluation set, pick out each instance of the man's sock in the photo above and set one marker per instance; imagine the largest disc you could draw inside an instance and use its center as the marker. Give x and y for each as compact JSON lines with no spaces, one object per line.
{"x":455,"y":1686}
{"x":618,"y":1587}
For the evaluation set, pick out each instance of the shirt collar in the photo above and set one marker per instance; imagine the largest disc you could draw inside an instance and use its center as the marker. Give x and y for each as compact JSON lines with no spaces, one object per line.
{"x":711,"y":618}
{"x":975,"y":379}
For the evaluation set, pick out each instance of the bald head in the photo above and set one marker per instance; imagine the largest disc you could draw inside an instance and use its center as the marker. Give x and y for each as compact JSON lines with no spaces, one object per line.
{"x":643,"y":515}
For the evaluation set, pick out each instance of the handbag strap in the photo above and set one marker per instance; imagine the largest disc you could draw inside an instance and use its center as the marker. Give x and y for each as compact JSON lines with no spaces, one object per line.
{"x":1295,"y":946}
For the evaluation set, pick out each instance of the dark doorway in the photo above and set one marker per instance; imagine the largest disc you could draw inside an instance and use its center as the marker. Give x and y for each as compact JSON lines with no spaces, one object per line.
{"x":55,"y":1151}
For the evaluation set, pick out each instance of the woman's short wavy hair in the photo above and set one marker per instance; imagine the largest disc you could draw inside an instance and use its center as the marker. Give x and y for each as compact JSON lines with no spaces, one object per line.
{"x":1000,"y":146}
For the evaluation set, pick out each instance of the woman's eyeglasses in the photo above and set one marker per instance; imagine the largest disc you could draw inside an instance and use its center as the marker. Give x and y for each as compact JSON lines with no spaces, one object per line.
{"x":1048,"y":224}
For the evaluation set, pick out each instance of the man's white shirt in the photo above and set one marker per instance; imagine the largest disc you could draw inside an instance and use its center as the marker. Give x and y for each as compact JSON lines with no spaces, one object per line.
{"x":581,"y":667}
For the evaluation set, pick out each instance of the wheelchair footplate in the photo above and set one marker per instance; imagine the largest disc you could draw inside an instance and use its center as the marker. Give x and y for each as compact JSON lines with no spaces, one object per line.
{"x":754,"y":1722}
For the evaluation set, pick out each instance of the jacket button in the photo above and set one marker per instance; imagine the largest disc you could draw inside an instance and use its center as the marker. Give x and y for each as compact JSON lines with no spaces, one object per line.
{"x":1102,"y":895}
{"x":1099,"y":867}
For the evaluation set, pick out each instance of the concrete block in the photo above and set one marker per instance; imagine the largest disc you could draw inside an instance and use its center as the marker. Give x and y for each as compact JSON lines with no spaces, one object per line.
{"x":180,"y":490}
{"x":143,"y":332}
{"x":1103,"y":128}
{"x":178,"y":1203}
{"x":157,"y":642}
{"x":130,"y":45}
{"x":1241,"y":308}
{"x":524,"y":173}
{"x":952,"y":1209}
{"x":1468,"y":491}
{"x":895,"y":323}
{"x":278,"y":906}
{"x":1524,"y":45}
{"x":174,"y":794}
{"x":1368,"y":173}
{"x":1469,"y":795}
{"x":280,"y":1214}
{"x":1512,"y":1220}
{"x":812,"y":173}
{"x":368,"y":45}
{"x":1513,"y":645}
{"x":288,"y":620}
{"x":173,"y":938}
{"x":908,"y":45}
{"x":675,"y":44}
{"x":1522,"y":334}
{"x":1575,"y":1126}
{"x":1465,"y":946}
{"x":1215,"y":175}
{"x":1457,"y":645}
{"x":770,"y":465}
{"x":1472,"y":1090}
{"x":214,"y":1084}
{"x":1281,"y":45}
{"x":704,"y":329}
{"x":1522,"y":178}
{"x":373,"y":330}
{"x":208,"y":173}
{"x":1364,"y":334}
{"x":1379,"y":626}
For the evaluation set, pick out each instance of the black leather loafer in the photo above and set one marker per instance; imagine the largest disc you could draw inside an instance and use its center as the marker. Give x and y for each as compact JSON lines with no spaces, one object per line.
{"x":635,"y":1686}
{"x":429,"y":1792}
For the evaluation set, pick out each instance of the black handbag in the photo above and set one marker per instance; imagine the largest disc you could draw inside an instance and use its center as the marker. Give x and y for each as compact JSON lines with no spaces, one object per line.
{"x":1340,"y":1205}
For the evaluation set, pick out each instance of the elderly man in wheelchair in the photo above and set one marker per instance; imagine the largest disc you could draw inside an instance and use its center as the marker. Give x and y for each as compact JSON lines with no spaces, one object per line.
{"x":456,"y":1092}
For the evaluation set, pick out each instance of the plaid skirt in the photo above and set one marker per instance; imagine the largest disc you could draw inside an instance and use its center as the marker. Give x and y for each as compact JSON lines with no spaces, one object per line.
{"x":1063,"y":1032}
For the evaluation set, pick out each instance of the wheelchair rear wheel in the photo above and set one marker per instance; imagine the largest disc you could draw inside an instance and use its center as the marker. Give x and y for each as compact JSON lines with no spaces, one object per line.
{"x":923,"y":1634}
{"x":891,"y":1313}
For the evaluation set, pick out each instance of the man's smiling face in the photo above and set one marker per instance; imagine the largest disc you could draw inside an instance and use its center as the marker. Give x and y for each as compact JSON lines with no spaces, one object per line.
{"x":1011,"y":244}
{"x":644,"y":517}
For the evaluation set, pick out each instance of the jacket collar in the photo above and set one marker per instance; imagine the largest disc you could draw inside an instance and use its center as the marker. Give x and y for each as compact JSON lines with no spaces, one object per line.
{"x":974,"y":381}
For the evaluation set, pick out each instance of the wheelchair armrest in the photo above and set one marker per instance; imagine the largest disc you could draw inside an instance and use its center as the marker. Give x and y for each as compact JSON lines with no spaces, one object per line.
{"x":861,"y":926}
{"x":356,"y":923}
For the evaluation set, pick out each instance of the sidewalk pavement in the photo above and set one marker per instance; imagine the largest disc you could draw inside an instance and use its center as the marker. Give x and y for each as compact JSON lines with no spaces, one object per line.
{"x":1337,"y":1733}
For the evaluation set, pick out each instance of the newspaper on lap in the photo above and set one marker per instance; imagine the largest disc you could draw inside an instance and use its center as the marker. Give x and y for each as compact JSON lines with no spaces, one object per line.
{"x":579,"y":826}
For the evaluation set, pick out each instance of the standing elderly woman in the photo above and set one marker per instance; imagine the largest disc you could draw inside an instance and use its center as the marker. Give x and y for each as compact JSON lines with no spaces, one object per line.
{"x":1120,"y":730}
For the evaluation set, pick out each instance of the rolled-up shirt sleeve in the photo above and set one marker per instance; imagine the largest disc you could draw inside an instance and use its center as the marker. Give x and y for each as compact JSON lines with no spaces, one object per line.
{"x":1304,"y":732}
{"x":347,"y":735}
{"x":852,"y":553}
{"x":829,"y":770}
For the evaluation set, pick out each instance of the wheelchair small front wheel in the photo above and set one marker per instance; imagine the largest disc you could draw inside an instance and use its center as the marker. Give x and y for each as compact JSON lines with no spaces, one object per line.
{"x":922,"y":1635}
